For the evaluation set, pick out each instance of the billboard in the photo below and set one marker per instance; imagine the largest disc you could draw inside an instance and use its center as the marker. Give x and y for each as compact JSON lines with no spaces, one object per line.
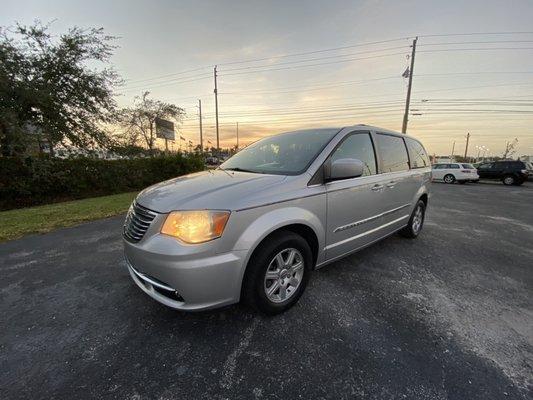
{"x":164,"y":129}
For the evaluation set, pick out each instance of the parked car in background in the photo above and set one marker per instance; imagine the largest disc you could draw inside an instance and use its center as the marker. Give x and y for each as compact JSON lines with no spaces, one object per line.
{"x":211,"y":160}
{"x":509,"y":172}
{"x":256,"y":227}
{"x":454,"y":172}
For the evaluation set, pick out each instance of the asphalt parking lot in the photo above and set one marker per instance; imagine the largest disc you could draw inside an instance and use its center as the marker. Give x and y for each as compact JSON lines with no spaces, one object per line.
{"x":446,"y":316}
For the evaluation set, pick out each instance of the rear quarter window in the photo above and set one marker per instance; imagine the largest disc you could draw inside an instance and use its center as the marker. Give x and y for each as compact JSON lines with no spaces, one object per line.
{"x":417,"y":155}
{"x":393,"y":153}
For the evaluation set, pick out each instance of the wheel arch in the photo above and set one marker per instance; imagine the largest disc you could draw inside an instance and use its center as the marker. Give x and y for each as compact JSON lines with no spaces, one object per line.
{"x":297,"y":220}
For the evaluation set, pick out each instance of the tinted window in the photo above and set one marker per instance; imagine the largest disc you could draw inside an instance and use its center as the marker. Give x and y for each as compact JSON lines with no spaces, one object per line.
{"x":417,"y":154}
{"x":454,"y":166}
{"x":393,"y":153}
{"x":286,"y":154}
{"x":484,"y":166}
{"x":358,"y":146}
{"x":468,"y":166}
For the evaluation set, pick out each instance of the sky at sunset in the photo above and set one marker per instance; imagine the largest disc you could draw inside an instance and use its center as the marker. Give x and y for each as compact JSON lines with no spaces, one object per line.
{"x":285,"y":65}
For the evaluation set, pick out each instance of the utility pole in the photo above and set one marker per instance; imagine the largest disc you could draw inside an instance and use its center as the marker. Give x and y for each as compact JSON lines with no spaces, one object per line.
{"x":408,"y":99}
{"x":467,"y":140}
{"x":453,"y":149}
{"x":237,"y":136}
{"x":216,"y":106}
{"x":201,"y":133}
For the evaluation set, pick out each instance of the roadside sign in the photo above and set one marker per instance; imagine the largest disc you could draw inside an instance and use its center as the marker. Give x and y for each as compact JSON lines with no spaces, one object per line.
{"x":164,"y":129}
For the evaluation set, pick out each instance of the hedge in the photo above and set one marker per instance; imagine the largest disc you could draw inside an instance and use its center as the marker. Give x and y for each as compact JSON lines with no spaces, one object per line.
{"x":41,"y":180}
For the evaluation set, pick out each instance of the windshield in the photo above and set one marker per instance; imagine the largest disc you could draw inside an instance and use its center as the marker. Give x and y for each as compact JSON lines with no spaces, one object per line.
{"x":285,"y":154}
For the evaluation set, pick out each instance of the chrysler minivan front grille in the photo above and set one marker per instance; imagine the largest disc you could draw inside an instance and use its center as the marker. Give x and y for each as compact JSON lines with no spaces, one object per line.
{"x":137,"y":222}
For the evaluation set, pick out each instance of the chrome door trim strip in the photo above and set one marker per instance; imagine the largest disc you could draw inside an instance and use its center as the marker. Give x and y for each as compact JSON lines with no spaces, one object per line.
{"x":365,"y":233}
{"x":369,"y":219}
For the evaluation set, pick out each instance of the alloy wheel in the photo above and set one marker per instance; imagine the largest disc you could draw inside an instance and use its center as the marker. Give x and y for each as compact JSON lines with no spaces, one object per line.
{"x":284,"y":275}
{"x":418,"y":219}
{"x":449,"y":179}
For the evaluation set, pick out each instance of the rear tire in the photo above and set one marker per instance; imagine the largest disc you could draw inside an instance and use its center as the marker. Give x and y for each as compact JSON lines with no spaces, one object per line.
{"x":279,"y":290}
{"x":509,"y":180}
{"x":449,"y":178}
{"x":416,"y":221}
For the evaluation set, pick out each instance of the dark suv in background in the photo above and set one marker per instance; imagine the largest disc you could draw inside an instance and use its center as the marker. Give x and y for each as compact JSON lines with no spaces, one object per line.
{"x":509,"y":172}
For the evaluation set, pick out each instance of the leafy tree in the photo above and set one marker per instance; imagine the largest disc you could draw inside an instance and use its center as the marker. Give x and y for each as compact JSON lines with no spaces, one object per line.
{"x":139,"y":121}
{"x":57,"y":88}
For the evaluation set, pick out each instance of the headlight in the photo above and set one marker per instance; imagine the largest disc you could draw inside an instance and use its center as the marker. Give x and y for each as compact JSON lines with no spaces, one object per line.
{"x":195,"y":226}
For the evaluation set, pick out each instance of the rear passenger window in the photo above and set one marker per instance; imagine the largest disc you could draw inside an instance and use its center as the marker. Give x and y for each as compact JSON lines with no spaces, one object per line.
{"x":359,"y":146}
{"x":454,"y":166}
{"x":393,"y":153}
{"x":417,"y":154}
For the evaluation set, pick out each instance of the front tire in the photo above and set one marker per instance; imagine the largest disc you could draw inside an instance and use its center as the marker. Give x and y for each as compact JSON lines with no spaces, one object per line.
{"x":416,"y":221}
{"x":449,"y":178}
{"x":509,"y":180}
{"x":277,"y":273}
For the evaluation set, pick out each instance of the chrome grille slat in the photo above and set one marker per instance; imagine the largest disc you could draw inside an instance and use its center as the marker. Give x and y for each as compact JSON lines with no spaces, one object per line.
{"x":142,"y":218}
{"x":136,"y":225}
{"x":137,"y":222}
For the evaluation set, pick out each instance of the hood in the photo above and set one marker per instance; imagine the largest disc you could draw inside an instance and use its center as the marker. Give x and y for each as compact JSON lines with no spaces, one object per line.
{"x":214,"y":189}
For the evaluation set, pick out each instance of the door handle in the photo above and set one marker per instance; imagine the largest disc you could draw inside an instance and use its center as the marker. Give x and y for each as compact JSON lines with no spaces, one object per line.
{"x":391,"y":184}
{"x":376,"y":188}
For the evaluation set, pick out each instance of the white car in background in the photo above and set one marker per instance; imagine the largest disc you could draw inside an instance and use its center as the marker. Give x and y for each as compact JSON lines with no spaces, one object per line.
{"x":454,"y":172}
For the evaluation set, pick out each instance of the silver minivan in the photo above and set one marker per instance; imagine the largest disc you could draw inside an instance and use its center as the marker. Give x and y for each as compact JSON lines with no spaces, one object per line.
{"x":258,"y":225}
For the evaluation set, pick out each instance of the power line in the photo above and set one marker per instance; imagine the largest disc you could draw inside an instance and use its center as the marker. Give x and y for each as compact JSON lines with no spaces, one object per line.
{"x":167,"y":75}
{"x":315,"y":59}
{"x":317,"y":87}
{"x":315,"y":117}
{"x":476,"y":49}
{"x":476,"y":42}
{"x":170,"y":82}
{"x":273,"y":111}
{"x":313,"y":65}
{"x":315,"y":51}
{"x":477,"y":33}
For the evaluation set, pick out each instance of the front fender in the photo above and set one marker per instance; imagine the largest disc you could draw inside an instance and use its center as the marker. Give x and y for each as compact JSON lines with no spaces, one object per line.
{"x":270,"y":221}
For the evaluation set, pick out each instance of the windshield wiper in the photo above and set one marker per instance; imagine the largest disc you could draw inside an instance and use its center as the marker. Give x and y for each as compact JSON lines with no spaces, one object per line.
{"x":222,"y":169}
{"x":242,"y":170}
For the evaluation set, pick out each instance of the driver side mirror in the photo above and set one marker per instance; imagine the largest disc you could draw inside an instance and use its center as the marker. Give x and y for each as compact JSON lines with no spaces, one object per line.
{"x":345,"y":168}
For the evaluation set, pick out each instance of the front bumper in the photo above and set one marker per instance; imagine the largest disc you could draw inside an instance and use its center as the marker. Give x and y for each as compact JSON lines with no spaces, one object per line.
{"x":187,"y":283}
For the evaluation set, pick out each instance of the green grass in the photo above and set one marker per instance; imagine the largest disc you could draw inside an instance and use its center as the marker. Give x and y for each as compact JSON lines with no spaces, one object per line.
{"x":17,"y":223}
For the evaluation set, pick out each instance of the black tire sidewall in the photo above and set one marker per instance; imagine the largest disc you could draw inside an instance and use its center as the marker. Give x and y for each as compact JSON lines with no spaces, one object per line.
{"x":408,"y":230}
{"x":253,"y":290}
{"x":509,"y":184}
